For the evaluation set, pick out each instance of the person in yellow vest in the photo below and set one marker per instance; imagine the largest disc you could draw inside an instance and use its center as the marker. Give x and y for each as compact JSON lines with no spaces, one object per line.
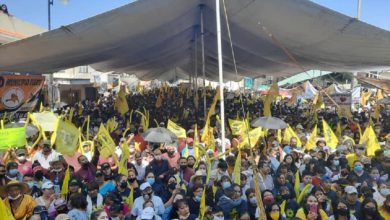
{"x":20,"y":204}
{"x":384,"y":210}
{"x":311,"y":210}
{"x":357,"y":155}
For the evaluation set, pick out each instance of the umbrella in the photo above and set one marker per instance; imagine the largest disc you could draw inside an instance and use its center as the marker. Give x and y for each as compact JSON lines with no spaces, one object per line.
{"x":269,"y":123}
{"x":159,"y":135}
{"x":31,"y":130}
{"x":385,"y":101}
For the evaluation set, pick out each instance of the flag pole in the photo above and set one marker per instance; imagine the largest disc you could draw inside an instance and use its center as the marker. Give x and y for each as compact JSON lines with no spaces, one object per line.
{"x":220,"y":69}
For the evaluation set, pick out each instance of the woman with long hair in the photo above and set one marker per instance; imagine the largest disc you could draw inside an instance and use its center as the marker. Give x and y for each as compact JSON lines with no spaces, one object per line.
{"x":369,"y":210}
{"x":311,"y":210}
{"x":341,"y":212}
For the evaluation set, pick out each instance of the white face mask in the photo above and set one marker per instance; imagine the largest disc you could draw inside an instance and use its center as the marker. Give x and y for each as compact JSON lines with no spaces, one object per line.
{"x":22,"y":158}
{"x":14,"y":198}
{"x":218,"y":218}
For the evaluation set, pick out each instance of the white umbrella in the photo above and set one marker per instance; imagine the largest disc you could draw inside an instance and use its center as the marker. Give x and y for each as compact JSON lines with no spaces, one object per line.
{"x":269,"y":123}
{"x":159,"y":135}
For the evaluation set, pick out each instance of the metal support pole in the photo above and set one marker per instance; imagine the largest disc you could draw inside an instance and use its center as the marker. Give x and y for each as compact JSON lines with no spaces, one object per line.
{"x":220,"y":68}
{"x":49,"y":4}
{"x":195,"y":79}
{"x":203,"y":62}
{"x":359,"y":7}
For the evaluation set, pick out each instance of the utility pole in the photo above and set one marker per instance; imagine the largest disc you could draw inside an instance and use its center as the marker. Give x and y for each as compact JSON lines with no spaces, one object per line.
{"x":359,"y":7}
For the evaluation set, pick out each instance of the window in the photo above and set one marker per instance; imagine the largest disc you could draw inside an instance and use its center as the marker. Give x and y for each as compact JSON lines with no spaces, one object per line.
{"x":83,"y":69}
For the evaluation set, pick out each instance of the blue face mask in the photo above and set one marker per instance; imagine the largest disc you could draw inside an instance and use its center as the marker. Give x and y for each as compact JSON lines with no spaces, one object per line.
{"x":13,"y":172}
{"x":30,"y":185}
{"x":358,"y":168}
{"x":253,"y":200}
{"x":150,"y":181}
{"x":197,"y":198}
{"x":226,"y":185}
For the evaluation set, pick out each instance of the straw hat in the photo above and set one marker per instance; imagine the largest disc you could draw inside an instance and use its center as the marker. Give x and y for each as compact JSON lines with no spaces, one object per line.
{"x":23,"y":187}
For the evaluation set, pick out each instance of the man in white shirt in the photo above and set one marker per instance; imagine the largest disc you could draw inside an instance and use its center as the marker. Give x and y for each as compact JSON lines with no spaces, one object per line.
{"x":140,"y":165}
{"x":147,"y":194}
{"x":45,"y":155}
{"x":265,"y":179}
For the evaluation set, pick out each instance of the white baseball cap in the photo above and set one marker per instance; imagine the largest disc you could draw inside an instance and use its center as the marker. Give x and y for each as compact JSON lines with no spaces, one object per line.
{"x":144,"y":186}
{"x":47,"y":185}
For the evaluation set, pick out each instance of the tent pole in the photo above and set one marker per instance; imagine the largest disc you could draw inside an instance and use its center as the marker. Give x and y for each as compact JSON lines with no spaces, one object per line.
{"x":195,"y":79}
{"x":359,"y":8}
{"x":220,"y":68}
{"x":203,"y":62}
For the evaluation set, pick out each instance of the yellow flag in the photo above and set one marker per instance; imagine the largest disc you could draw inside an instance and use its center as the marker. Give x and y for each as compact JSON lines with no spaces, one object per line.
{"x":371,"y":141}
{"x":377,"y":111}
{"x":330,"y":137}
{"x":237,"y":127}
{"x":318,"y":101}
{"x":107,"y":144}
{"x":279,"y":136}
{"x":71,"y":112}
{"x":311,"y":143}
{"x":338,"y":130}
{"x":159,"y":101}
{"x":303,"y":193}
{"x":121,"y":101}
{"x":237,"y":168}
{"x":208,"y":134}
{"x":364,"y":96}
{"x":176,"y":129}
{"x":288,"y":134}
{"x":293,"y":99}
{"x":41,"y":108}
{"x":379,"y":95}
{"x":273,"y":90}
{"x":130,"y":198}
{"x":67,"y":138}
{"x":267,"y":106}
{"x":111,"y":124}
{"x":254,"y":136}
{"x":283,"y":207}
{"x":65,"y":183}
{"x":202,"y":207}
{"x":196,"y":142}
{"x":297,"y":182}
{"x":122,"y":167}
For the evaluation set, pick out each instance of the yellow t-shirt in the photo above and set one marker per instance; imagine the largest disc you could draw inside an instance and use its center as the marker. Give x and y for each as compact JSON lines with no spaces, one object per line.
{"x":25,"y":208}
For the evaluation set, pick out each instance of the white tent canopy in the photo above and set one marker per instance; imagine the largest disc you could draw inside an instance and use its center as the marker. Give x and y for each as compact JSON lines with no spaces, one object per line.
{"x":155,"y":38}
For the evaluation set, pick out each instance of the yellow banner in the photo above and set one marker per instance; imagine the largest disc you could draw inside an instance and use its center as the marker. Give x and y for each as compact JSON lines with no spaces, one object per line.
{"x":254,"y":136}
{"x":330,"y":138}
{"x":107,"y":147}
{"x":46,"y":120}
{"x":12,"y":137}
{"x":237,"y":127}
{"x":67,"y":137}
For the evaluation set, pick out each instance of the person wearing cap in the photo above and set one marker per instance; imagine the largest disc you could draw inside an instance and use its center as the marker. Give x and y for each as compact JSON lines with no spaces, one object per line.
{"x":48,"y":195}
{"x":45,"y":155}
{"x":13,"y":172}
{"x":353,"y":203}
{"x":20,"y":204}
{"x":19,"y":156}
{"x":147,"y":194}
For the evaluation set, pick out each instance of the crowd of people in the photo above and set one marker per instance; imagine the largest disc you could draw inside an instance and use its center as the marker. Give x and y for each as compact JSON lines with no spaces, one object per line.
{"x":164,"y":181}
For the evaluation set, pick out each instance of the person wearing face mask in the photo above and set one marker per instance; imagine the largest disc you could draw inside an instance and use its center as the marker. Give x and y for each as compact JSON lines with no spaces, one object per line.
{"x":172,"y":156}
{"x":94,"y":198}
{"x":13,"y":173}
{"x":122,"y":186}
{"x":357,"y":155}
{"x":185,"y":172}
{"x":147,"y":194}
{"x":341,"y":212}
{"x":195,"y":198}
{"x":251,"y":202}
{"x":20,"y":204}
{"x":353,"y":203}
{"x":20,"y":157}
{"x":369,"y":210}
{"x":217,"y":213}
{"x":381,"y":193}
{"x":33,"y":186}
{"x":57,"y":173}
{"x":311,"y":210}
{"x":384,"y":210}
{"x":158,"y":165}
{"x":225,"y":183}
{"x":45,"y":155}
{"x":292,"y":206}
{"x":358,"y":174}
{"x":273,"y":212}
{"x":231,"y":202}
